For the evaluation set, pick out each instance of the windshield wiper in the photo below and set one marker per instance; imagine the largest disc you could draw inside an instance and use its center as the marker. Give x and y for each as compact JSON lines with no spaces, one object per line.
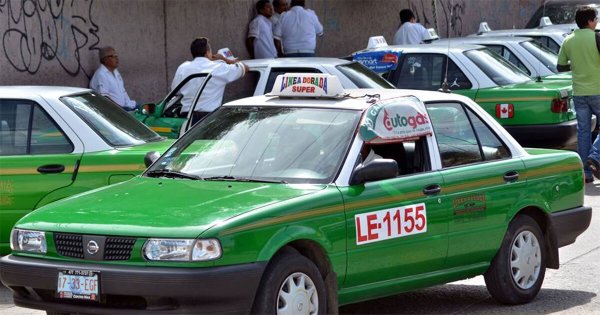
{"x":171,"y":174}
{"x":244,"y":179}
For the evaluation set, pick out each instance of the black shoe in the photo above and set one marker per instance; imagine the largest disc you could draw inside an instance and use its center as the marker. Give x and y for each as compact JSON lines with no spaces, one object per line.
{"x":589,"y":180}
{"x":594,"y":166}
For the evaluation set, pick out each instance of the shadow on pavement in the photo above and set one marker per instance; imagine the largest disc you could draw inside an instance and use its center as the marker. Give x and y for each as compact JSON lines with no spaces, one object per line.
{"x":467,"y":299}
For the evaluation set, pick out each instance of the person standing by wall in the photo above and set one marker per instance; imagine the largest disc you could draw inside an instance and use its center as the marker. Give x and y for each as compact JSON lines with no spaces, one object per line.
{"x":279,"y":7}
{"x":260,"y":42}
{"x":108,"y":81}
{"x":297,"y":30}
{"x":410,"y":32}
{"x":582,"y":49}
{"x":223,"y":71}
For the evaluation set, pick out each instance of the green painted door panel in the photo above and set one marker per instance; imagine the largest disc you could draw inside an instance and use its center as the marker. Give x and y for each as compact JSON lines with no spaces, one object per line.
{"x":480,"y":199}
{"x":383,"y":260}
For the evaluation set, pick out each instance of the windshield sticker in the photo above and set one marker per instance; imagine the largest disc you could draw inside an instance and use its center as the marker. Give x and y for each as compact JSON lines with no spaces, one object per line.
{"x":390,"y":223}
{"x":394,"y":120}
{"x":378,"y":61}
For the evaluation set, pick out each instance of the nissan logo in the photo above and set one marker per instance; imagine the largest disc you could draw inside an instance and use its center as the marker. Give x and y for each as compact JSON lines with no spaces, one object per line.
{"x":92,"y":247}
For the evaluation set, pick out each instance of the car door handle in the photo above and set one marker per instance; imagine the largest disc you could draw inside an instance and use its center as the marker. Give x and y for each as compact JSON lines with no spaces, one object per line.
{"x":511,"y":176}
{"x":51,"y":169}
{"x":432,"y":189}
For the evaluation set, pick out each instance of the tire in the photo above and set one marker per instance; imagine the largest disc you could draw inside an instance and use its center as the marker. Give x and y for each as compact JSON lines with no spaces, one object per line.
{"x":517,"y":272}
{"x":290,"y":272}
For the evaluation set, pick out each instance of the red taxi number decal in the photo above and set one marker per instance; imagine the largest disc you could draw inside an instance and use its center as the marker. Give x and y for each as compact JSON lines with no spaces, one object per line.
{"x":390,"y":223}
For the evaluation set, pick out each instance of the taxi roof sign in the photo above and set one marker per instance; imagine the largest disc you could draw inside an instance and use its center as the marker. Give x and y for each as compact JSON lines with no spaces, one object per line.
{"x":545,"y":21}
{"x":376,"y":42}
{"x":483,"y":28}
{"x":307,"y":85}
{"x":431,"y":35}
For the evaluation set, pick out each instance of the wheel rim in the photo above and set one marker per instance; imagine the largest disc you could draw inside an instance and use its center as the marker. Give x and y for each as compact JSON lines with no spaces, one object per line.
{"x":525,"y":260}
{"x":297,"y":295}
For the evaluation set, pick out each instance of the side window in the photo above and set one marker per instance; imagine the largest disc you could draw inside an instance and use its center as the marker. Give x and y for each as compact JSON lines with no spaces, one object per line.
{"x":427,"y":72}
{"x":547,"y":42}
{"x":26,"y":129}
{"x":277,"y":71}
{"x":462,"y":137}
{"x":509,"y":56}
{"x":411,"y":156}
{"x":242,"y":87}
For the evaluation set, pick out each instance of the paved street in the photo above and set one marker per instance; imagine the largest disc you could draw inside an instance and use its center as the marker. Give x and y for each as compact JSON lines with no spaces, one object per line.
{"x":573,"y":289}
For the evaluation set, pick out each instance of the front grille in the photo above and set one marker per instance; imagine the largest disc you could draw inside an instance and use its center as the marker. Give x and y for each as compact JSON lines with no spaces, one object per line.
{"x":118,"y":248}
{"x":115,"y":248}
{"x":69,"y":245}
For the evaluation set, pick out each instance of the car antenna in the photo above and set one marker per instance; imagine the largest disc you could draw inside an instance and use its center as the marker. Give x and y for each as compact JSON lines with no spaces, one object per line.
{"x":445,"y":87}
{"x":539,"y":65}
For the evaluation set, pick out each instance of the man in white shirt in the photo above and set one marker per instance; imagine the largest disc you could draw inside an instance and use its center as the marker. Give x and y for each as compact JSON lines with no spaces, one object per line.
{"x":108,"y":81}
{"x":297,"y":30}
{"x":410,"y":32}
{"x":260,"y":43}
{"x":222,"y":70}
{"x":279,"y":7}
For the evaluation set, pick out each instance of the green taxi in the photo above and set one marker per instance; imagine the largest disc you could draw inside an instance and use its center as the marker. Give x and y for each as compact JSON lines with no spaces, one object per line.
{"x":537,"y":114}
{"x":58,"y":141}
{"x":305,"y":199}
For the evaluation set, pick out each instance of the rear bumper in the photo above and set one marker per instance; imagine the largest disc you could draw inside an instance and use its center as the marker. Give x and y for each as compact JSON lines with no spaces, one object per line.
{"x":569,"y":224}
{"x":135,"y":290}
{"x":553,"y":136}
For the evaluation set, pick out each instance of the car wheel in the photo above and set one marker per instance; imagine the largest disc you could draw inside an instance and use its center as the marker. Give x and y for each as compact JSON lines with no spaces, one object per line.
{"x":517,"y":272}
{"x":292,"y":284}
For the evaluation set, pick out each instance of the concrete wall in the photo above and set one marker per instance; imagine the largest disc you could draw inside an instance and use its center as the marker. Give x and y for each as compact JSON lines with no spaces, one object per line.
{"x":50,"y":42}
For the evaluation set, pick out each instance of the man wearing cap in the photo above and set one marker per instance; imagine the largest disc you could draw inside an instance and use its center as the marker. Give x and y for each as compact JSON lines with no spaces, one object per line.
{"x":108,"y":81}
{"x":297,"y":30}
{"x":222,"y":70}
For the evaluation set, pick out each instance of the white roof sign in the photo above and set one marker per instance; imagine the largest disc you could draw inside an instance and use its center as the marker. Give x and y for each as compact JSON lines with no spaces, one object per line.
{"x":307,"y":85}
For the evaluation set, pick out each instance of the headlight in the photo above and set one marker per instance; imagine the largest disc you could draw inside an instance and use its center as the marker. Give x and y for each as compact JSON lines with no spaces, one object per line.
{"x":182,"y":249}
{"x":28,"y":241}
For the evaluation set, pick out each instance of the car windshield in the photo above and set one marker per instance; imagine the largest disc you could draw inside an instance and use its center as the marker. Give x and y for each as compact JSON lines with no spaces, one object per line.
{"x":363,"y":77}
{"x":263,"y":144}
{"x":547,"y":57}
{"x":497,"y":68}
{"x":117,"y":127}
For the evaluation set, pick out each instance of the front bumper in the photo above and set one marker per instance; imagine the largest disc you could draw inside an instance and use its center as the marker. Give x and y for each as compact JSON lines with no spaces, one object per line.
{"x":569,"y":224}
{"x":135,"y":290}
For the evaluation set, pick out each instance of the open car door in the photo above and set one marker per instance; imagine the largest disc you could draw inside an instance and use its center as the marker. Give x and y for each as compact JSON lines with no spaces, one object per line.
{"x":187,"y":123}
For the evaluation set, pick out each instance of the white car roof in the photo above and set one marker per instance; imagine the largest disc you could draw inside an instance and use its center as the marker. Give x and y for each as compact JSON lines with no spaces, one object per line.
{"x":483,"y":39}
{"x":356,"y":99}
{"x":309,"y":61}
{"x":32,"y":91}
{"x":429,"y":48}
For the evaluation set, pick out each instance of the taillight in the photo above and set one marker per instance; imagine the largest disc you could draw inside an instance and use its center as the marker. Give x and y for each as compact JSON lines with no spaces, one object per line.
{"x":505,"y":110}
{"x":560,"y":105}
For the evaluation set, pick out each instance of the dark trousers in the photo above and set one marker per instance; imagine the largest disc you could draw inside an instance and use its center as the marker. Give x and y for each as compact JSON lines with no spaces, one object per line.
{"x":196,"y":116}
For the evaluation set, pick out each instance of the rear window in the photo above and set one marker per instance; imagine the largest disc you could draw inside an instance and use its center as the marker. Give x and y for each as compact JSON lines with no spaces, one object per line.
{"x":496,"y":68}
{"x":363,"y":77}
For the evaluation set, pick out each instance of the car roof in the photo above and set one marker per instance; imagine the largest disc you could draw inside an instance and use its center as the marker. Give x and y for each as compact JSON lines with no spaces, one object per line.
{"x":29,"y":91}
{"x":426,"y":48}
{"x":549,"y":31}
{"x":299,"y":61}
{"x":484,"y":39}
{"x":355,"y":99}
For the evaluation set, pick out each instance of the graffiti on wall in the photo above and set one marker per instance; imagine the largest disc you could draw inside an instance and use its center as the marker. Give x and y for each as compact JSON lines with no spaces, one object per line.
{"x":38,"y":31}
{"x":446,"y":16}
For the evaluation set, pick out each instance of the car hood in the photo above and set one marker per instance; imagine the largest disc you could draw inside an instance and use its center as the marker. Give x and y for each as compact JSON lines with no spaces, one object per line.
{"x":159,"y":207}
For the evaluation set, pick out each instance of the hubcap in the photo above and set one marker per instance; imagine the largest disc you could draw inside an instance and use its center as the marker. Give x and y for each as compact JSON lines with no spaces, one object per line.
{"x":297,"y":295}
{"x":525,"y":260}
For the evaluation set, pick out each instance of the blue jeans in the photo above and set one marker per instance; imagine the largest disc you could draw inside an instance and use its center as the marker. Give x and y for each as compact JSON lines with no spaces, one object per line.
{"x":585,"y":106}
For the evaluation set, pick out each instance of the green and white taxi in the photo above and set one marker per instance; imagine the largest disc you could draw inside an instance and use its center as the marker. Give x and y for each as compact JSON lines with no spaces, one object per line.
{"x":305,"y":199}
{"x":58,"y":141}
{"x":537,"y":114}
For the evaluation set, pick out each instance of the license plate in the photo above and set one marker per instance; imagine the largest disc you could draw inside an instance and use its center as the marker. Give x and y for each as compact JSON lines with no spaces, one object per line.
{"x":78,"y":284}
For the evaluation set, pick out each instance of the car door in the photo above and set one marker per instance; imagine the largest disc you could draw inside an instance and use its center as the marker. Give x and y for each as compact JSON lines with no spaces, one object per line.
{"x":396,"y":228}
{"x":36,"y":158}
{"x":481,"y":182}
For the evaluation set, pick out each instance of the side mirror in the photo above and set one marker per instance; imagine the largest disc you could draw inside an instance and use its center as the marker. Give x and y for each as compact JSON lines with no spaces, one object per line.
{"x":377,"y":169}
{"x":151,"y":157}
{"x":148,"y":109}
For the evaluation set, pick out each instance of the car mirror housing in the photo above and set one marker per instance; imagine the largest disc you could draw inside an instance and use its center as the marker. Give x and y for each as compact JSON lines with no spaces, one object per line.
{"x":151,"y":157}
{"x":377,"y":169}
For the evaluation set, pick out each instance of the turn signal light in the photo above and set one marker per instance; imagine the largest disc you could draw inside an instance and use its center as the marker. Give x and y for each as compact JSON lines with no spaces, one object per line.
{"x":560,"y":105}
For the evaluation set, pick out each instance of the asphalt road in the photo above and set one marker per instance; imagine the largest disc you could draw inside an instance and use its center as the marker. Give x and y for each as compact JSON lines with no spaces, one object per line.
{"x":573,"y":289}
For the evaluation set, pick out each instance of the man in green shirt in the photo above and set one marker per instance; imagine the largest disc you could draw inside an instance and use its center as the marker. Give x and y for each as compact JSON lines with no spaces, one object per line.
{"x":582,"y":49}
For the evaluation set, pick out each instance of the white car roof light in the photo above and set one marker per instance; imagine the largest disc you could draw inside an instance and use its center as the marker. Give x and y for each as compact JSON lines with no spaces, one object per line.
{"x":483,"y":28}
{"x":545,"y":21}
{"x":307,"y":85}
{"x":394,"y":120}
{"x":376,"y":42}
{"x":431,"y":35}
